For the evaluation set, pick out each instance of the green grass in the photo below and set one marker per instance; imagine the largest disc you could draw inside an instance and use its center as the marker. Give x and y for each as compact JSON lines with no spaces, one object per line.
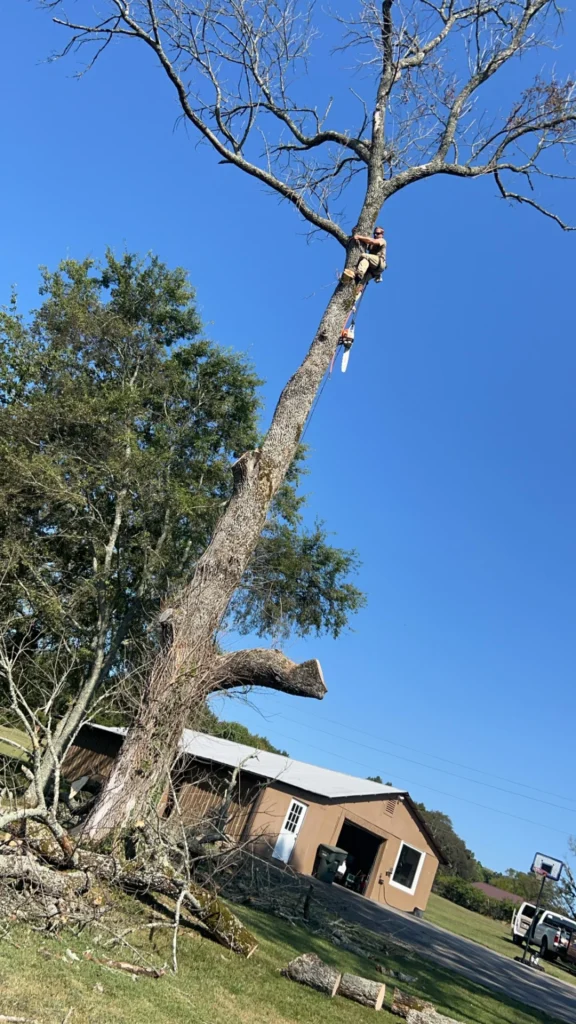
{"x":18,"y":736}
{"x":495,"y":935}
{"x":217,"y":987}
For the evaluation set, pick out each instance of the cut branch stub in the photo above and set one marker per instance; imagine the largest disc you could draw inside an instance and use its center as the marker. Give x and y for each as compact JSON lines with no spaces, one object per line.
{"x":310,"y":970}
{"x":269,"y":668}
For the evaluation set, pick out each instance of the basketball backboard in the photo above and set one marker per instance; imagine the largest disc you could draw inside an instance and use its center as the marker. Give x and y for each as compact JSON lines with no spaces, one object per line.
{"x":547,"y":867}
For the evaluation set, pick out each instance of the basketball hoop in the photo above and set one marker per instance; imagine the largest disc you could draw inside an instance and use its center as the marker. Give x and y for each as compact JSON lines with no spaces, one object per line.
{"x":547,"y":867}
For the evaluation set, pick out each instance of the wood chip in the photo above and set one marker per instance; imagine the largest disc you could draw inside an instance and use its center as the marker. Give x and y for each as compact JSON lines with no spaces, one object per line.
{"x":121,"y":965}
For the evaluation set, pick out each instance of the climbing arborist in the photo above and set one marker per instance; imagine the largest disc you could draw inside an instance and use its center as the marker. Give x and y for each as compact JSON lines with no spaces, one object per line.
{"x":373,"y":260}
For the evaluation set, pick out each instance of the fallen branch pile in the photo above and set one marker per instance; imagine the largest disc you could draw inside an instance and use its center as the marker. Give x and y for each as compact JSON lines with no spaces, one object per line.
{"x":38,"y":882}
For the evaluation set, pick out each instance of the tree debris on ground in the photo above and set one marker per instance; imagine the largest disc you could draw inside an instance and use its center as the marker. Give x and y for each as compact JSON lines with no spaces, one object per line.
{"x":122,"y":965}
{"x":362,"y":990}
{"x":429,"y":1017}
{"x":402,"y":1004}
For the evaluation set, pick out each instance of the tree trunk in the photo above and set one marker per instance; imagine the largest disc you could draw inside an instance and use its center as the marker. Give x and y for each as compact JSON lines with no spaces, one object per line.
{"x":362,"y":990}
{"x":310,"y":970}
{"x":181,"y":676}
{"x":210,"y":910}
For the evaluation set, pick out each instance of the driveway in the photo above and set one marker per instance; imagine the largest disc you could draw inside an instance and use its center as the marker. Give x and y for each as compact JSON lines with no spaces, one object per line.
{"x":476,"y":962}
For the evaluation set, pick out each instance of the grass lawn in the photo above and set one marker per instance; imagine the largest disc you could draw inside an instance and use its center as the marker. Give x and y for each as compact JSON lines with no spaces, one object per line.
{"x":216,"y":987}
{"x":493,"y":934}
{"x":13,"y":734}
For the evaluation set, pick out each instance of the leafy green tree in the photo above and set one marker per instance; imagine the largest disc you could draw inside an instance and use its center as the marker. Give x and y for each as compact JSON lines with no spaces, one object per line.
{"x":118,"y":427}
{"x":210,"y":723}
{"x":461,"y":862}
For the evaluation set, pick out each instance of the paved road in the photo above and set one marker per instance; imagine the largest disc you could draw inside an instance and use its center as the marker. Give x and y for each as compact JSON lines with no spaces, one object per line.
{"x":476,"y":962}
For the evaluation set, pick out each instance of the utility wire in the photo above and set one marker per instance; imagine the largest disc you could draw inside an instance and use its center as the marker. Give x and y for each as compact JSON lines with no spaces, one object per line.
{"x":437,"y":757}
{"x":452,"y":796}
{"x":421,"y":764}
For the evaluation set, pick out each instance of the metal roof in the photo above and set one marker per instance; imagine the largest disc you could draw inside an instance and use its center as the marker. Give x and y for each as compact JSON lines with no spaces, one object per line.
{"x":322,"y":781}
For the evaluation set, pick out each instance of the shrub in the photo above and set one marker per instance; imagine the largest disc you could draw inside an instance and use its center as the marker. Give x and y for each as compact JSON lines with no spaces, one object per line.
{"x":457,"y":890}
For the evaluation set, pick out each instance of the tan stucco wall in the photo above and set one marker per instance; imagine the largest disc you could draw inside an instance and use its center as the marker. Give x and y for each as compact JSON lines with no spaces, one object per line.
{"x":322,"y":824}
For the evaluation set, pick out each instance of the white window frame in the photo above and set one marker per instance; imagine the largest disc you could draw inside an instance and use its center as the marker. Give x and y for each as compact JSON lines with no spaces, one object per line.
{"x":414,"y":886}
{"x":300,"y":819}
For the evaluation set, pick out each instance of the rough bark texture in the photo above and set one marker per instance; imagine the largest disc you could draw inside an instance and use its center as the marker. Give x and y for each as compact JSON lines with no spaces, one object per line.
{"x":362,"y":990}
{"x":182,"y":675}
{"x":212,"y":912}
{"x":403,"y":1004}
{"x":26,"y":869}
{"x":263,"y":667}
{"x":310,"y":970}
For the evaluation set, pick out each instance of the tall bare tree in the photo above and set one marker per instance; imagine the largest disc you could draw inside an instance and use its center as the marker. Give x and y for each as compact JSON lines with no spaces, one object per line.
{"x":237,"y":71}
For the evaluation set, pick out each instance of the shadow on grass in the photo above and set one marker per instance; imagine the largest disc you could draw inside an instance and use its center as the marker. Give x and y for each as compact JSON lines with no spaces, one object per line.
{"x":452,"y":993}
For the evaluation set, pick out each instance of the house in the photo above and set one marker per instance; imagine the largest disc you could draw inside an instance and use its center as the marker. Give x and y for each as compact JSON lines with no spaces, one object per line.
{"x":285,"y":809}
{"x":494,"y":893}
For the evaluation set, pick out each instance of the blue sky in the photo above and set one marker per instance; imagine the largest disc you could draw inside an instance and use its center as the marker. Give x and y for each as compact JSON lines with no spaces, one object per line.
{"x":445,"y":456}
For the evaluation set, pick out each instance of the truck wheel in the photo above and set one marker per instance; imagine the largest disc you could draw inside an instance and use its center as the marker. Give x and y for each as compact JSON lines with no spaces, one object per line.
{"x":544,"y":953}
{"x":517,"y":940}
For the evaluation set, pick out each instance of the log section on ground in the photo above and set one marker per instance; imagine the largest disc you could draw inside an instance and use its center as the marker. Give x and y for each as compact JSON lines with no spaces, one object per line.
{"x":310,"y":970}
{"x":362,"y":990}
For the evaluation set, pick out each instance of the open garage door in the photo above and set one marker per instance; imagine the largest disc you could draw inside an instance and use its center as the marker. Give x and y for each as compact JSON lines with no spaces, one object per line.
{"x":362,"y":848}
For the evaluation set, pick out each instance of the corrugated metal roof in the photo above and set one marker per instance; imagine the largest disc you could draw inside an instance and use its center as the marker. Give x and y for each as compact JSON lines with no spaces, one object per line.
{"x":321,"y":781}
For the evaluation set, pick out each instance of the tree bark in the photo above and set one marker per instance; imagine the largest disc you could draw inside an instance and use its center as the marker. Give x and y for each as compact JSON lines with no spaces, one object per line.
{"x":270,"y":668}
{"x":362,"y":990}
{"x":183,"y":673}
{"x":310,"y":970}
{"x":53,"y":883}
{"x":212,"y":912}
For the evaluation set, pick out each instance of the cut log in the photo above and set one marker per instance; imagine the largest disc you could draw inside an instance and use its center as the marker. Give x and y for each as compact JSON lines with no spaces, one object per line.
{"x":362,"y":990}
{"x":310,"y":970}
{"x":403,"y":1003}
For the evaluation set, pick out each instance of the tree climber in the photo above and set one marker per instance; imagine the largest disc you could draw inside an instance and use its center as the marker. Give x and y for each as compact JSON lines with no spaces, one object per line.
{"x":373,"y":260}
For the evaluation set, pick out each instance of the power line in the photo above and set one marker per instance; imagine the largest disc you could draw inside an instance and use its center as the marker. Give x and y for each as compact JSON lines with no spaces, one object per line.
{"x":452,"y":796}
{"x":421,"y":764}
{"x":437,"y":757}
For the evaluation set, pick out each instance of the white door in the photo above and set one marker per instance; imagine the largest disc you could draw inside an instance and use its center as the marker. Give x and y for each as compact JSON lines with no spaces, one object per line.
{"x":292,"y":824}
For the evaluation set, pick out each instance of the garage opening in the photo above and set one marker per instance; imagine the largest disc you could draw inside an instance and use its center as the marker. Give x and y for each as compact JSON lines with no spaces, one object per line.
{"x":362,"y":848}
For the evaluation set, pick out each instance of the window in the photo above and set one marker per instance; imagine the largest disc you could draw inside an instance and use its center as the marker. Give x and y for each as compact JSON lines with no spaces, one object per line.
{"x":528,"y":911}
{"x":407,"y":869}
{"x":294,"y":814}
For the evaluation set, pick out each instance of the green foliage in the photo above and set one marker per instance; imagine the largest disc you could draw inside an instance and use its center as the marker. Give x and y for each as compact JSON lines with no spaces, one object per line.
{"x":459,"y":891}
{"x":527,"y":885}
{"x":210,"y":723}
{"x":460,"y":861}
{"x":118,"y":427}
{"x":297,"y":584}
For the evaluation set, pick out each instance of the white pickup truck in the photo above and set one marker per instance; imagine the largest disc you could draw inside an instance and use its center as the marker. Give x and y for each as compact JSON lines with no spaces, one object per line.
{"x":521,"y":922}
{"x":552,"y":933}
